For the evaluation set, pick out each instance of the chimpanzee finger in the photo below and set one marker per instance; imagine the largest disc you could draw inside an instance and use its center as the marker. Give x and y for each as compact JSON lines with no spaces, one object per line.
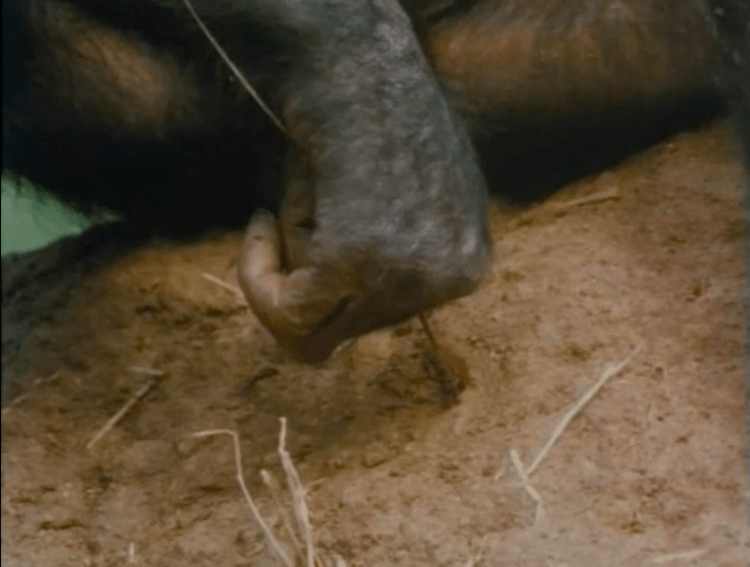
{"x":299,"y":308}
{"x":263,"y":244}
{"x":297,"y":214}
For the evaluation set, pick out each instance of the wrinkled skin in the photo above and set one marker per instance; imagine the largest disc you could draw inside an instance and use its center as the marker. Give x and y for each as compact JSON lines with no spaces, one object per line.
{"x":390,"y":223}
{"x":395,"y":117}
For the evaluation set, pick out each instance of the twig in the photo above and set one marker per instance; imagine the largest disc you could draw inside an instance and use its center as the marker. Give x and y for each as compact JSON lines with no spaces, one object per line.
{"x":275,"y":489}
{"x":428,"y":331}
{"x":20,"y":398}
{"x":606,"y":195}
{"x":142,"y":391}
{"x":608,"y":373}
{"x":527,"y":485}
{"x":499,"y":474}
{"x":440,"y":367}
{"x":235,"y":290}
{"x":275,"y":545}
{"x":235,"y":71}
{"x":684,"y":555}
{"x":147,"y":371}
{"x":583,"y":400}
{"x":297,"y":493}
{"x":260,"y":372}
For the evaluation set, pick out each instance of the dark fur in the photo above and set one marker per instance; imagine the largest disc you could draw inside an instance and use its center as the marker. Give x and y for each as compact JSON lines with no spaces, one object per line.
{"x":732,"y":19}
{"x":125,"y":104}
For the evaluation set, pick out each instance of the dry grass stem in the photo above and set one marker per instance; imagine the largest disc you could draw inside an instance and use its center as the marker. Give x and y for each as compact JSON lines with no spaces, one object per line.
{"x":146,"y":370}
{"x":37,"y":382}
{"x":608,"y":373}
{"x":607,"y":195}
{"x":273,"y":486}
{"x":131,"y":554}
{"x":525,"y":473}
{"x":527,"y":485}
{"x":427,"y":330}
{"x":679,"y":556}
{"x":297,"y":493}
{"x":270,"y":538}
{"x":302,"y":529}
{"x":235,"y":71}
{"x":142,"y":391}
{"x":449,"y":372}
{"x":221,"y":283}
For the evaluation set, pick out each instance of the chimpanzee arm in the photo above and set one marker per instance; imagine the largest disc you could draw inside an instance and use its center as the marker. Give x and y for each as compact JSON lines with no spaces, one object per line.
{"x":125,"y":104}
{"x":384,"y":214}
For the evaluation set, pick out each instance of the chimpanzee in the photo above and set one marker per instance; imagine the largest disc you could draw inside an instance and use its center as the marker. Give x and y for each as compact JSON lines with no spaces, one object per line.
{"x":394,"y":116}
{"x":732,"y":21}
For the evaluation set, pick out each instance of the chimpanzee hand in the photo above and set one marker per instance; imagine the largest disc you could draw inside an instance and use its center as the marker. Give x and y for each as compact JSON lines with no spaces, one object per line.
{"x":384,"y":209}
{"x":331,"y":297}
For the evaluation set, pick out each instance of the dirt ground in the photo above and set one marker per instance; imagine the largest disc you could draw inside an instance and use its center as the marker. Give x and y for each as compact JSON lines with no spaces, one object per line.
{"x":650,"y":472}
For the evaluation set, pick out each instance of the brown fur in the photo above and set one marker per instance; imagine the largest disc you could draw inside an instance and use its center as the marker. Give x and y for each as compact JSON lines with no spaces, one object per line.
{"x":112,"y":75}
{"x":519,"y":60}
{"x":550,"y":90}
{"x":542,"y":59}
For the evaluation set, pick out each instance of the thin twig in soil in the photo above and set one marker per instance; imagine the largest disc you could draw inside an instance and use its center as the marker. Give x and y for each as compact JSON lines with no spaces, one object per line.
{"x":148,"y":371}
{"x":270,"y":538}
{"x":583,"y":400}
{"x":607,"y":195}
{"x":275,"y":489}
{"x":38,"y":381}
{"x":527,"y":485}
{"x":681,"y":555}
{"x":474,"y":561}
{"x":297,"y":493}
{"x":142,"y":391}
{"x":428,"y":331}
{"x":221,"y":283}
{"x":438,"y":367}
{"x":525,"y":473}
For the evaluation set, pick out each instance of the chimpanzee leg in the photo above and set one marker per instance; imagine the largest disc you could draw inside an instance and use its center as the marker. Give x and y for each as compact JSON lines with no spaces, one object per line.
{"x":125,"y":105}
{"x":553,"y":89}
{"x":119,"y":104}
